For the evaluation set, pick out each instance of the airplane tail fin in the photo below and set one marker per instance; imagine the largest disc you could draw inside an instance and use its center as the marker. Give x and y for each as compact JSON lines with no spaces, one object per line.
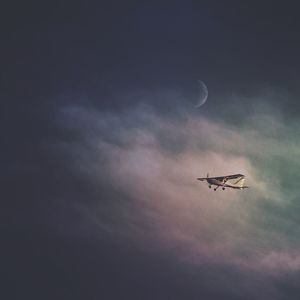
{"x":241,"y":183}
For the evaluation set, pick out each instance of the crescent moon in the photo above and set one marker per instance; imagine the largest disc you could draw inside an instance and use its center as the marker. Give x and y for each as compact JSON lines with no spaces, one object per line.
{"x":203,"y":94}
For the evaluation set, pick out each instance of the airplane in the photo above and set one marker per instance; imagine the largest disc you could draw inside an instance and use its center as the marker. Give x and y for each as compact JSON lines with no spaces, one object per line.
{"x":235,"y":181}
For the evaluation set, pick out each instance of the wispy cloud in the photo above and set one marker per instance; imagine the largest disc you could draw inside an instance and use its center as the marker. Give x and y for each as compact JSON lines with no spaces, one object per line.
{"x":153,"y":159}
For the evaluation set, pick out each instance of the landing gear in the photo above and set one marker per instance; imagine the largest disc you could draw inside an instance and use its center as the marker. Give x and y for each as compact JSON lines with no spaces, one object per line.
{"x":209,"y":186}
{"x":215,"y":189}
{"x":223,"y":188}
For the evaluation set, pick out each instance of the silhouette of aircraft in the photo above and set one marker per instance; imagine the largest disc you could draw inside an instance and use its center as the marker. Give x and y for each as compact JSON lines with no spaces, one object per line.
{"x":235,"y":181}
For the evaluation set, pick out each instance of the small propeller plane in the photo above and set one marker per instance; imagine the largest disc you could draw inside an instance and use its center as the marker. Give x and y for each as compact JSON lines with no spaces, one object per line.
{"x":235,"y":181}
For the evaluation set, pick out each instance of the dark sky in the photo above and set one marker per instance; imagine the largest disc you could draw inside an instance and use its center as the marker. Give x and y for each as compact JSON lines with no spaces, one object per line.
{"x":94,"y":91}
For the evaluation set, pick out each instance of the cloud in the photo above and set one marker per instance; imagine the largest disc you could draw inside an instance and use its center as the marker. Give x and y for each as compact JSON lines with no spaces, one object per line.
{"x":279,"y":262}
{"x":146,"y":163}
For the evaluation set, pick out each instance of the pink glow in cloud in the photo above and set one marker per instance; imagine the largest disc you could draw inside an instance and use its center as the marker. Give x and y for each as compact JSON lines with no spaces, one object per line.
{"x":155,"y":160}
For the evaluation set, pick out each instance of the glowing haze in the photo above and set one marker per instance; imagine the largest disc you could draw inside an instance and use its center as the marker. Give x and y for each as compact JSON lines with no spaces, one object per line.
{"x":147,"y":162}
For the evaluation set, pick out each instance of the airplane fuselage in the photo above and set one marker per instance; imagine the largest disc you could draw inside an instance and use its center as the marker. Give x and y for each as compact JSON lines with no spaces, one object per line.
{"x":223,"y":184}
{"x":213,"y":181}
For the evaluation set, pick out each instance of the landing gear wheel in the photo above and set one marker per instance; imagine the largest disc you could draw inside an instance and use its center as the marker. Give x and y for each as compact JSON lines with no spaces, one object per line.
{"x":215,"y":189}
{"x":223,"y":188}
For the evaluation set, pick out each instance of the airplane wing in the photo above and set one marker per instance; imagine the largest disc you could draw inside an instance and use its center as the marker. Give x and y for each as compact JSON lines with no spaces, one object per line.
{"x":222,"y":178}
{"x":227,"y":177}
{"x":202,"y":178}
